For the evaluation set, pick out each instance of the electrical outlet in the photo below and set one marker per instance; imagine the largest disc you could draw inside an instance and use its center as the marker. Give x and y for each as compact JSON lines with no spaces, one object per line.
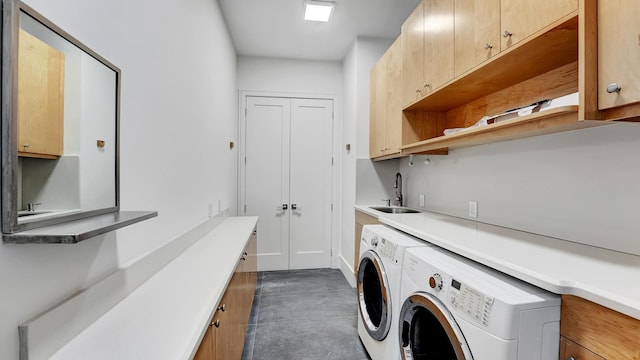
{"x":210,"y":209}
{"x":422,"y":200}
{"x":473,"y":209}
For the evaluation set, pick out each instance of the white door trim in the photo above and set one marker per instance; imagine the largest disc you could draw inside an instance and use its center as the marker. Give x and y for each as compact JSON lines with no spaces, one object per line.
{"x":336,"y":223}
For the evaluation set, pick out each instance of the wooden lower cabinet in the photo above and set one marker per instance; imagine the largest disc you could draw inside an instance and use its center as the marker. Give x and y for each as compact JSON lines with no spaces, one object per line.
{"x":571,"y":350}
{"x":207,"y":349}
{"x":224,"y":338}
{"x":593,"y":332}
{"x":361,"y":220}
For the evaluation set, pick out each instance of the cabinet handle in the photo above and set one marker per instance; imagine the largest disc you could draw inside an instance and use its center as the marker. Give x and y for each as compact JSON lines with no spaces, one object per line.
{"x":223,"y":307}
{"x":216,"y":323}
{"x":426,"y":85}
{"x":418,"y":91}
{"x":245,"y":253}
{"x":613,"y":88}
{"x":488,"y":46}
{"x":507,"y":34}
{"x":26,"y":146}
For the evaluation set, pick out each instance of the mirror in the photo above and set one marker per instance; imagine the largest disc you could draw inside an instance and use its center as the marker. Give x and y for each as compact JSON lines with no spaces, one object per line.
{"x":60,"y":124}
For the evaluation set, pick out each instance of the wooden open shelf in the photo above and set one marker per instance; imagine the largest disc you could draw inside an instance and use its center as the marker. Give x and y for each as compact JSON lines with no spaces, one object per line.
{"x":559,"y":119}
{"x":552,"y":47}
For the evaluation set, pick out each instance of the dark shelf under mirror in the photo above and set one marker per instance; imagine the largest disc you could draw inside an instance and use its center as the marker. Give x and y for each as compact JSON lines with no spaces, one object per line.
{"x":73,"y":232}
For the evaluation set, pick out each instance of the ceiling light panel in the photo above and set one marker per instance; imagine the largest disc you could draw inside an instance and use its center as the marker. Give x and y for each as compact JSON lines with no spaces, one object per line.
{"x":318,"y":10}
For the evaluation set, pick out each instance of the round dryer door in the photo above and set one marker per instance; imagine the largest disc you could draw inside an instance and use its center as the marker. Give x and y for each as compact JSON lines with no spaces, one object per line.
{"x":427,"y":330}
{"x":374,"y":299}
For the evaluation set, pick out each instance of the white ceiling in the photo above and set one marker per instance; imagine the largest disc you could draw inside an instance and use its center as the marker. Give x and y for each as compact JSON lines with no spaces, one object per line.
{"x":275,"y":28}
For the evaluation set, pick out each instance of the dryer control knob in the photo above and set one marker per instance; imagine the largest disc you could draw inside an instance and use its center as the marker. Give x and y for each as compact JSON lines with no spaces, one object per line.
{"x":435,"y":281}
{"x":374,"y":242}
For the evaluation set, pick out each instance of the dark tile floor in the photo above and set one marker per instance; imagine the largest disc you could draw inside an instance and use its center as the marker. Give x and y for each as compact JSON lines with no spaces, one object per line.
{"x":303,"y":314}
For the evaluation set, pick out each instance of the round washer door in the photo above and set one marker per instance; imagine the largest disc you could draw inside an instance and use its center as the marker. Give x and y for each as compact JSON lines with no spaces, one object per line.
{"x":374,"y":299}
{"x":427,"y":330}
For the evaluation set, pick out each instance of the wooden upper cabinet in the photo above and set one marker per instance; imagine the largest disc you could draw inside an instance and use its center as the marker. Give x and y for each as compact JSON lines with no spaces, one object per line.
{"x":385,"y":108}
{"x":40,"y":98}
{"x":618,"y":52}
{"x":412,"y":38}
{"x":477,"y":32}
{"x":377,"y":113}
{"x":438,"y":43}
{"x":521,"y":18}
{"x":393,"y":123}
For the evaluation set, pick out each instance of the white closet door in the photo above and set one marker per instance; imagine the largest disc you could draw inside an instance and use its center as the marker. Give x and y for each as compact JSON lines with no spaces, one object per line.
{"x":267,"y":177}
{"x":288,"y":153}
{"x":310,"y":186}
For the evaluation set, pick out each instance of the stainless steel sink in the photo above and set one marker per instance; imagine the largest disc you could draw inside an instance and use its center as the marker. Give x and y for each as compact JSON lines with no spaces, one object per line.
{"x":394,"y":210}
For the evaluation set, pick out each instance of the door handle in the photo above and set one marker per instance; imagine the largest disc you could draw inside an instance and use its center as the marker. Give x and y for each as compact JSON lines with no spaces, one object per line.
{"x":282,"y":207}
{"x":294,"y":206}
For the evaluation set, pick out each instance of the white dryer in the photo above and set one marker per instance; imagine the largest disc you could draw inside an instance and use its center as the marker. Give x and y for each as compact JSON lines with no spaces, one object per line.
{"x":378,"y":283}
{"x":457,"y":309}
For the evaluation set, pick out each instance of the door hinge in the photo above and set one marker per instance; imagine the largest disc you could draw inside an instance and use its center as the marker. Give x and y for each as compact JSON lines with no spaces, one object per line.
{"x":245,"y":160}
{"x":245,"y":209}
{"x":331,"y":207}
{"x":331,"y":161}
{"x":245,"y":112}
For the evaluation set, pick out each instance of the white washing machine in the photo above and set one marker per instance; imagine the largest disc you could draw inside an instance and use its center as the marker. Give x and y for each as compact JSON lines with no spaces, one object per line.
{"x":379,"y":274}
{"x":457,"y":309}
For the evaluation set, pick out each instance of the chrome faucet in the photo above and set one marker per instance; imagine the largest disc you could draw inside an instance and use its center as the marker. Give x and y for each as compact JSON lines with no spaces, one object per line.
{"x":32,"y":207}
{"x":398,"y":186}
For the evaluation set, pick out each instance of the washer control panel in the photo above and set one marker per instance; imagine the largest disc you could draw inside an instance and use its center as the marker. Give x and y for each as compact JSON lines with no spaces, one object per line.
{"x":470,"y":301}
{"x":387,"y":248}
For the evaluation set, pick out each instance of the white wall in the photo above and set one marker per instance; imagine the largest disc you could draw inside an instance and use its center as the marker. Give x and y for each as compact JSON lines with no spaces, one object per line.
{"x":177,"y":118}
{"x":580,"y":186}
{"x":355,"y":131}
{"x":289,"y":76}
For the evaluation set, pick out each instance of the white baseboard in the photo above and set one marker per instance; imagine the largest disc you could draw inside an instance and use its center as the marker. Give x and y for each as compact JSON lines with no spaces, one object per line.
{"x":347,"y":271}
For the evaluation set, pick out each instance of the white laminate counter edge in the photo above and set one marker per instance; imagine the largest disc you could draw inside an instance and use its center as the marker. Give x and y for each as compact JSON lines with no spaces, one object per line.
{"x":599,"y":275}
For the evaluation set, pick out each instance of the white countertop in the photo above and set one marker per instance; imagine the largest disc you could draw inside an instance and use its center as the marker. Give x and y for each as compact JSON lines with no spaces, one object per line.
{"x":166,"y":317}
{"x":606,"y":277}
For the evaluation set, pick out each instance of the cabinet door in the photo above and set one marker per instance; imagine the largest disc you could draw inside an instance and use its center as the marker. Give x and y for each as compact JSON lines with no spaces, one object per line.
{"x":413,"y":56}
{"x":618,"y":52}
{"x":40,"y":98}
{"x":377,"y":112}
{"x":438,"y":43}
{"x":207,"y":349}
{"x":230,"y":338}
{"x":477,"y":32}
{"x":522,"y":18}
{"x":393,"y":108}
{"x":570,"y":350}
